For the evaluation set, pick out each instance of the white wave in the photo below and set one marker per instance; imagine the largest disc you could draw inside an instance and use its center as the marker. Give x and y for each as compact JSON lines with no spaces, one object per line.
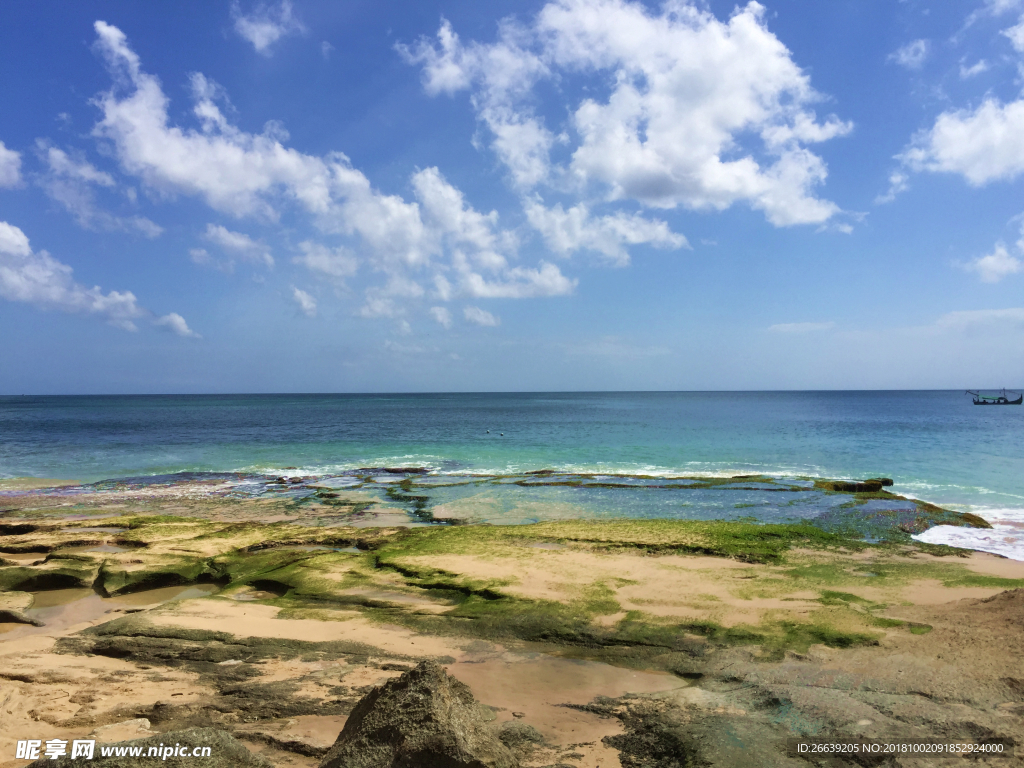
{"x":1007,"y":515}
{"x":1005,"y":540}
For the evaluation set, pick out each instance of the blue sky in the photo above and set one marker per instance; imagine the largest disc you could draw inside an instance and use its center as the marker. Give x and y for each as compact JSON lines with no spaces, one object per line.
{"x":564,"y":195}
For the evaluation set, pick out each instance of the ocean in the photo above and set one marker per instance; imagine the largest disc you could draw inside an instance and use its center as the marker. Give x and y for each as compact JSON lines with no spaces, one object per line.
{"x":935,"y":445}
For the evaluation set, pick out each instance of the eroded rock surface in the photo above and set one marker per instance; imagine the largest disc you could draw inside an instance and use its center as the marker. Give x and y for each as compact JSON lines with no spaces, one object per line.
{"x":423,"y":719}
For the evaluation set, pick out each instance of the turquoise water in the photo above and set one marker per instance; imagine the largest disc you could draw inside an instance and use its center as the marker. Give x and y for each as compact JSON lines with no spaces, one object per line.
{"x":936,"y":445}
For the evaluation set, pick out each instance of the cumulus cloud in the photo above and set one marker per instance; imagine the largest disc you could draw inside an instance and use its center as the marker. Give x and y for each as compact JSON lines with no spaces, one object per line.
{"x":36,"y":278}
{"x":688,"y":91}
{"x":520,"y":283}
{"x":231,"y":170}
{"x":503,"y":73}
{"x":983,"y":145}
{"x":70,"y":181}
{"x":238,"y":244}
{"x":995,"y":266}
{"x":479,"y":316}
{"x":176,"y":324}
{"x":266,"y":24}
{"x":567,"y":231}
{"x":911,"y":55}
{"x":337,"y":263}
{"x":437,"y":238}
{"x":10,"y":167}
{"x":801,"y":327}
{"x":306,"y":302}
{"x":442,"y":316}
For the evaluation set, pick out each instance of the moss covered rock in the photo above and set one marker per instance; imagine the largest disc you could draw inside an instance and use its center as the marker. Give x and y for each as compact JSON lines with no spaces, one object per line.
{"x":423,"y":718}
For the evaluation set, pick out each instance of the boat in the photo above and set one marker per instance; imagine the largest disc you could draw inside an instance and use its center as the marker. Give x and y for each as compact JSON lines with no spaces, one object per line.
{"x":1001,"y":399}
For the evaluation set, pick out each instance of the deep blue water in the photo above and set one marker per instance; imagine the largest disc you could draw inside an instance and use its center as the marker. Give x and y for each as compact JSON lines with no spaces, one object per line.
{"x":935,"y":444}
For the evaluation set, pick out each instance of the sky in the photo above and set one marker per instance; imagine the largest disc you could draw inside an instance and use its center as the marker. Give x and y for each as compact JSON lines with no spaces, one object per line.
{"x":450,"y":195}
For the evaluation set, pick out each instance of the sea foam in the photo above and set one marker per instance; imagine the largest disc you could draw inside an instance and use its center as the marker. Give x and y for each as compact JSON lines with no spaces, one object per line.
{"x":1005,"y":537}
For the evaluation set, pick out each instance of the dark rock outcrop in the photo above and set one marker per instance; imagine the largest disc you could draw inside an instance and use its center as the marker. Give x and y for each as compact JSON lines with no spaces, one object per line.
{"x":423,"y":719}
{"x":851,"y":486}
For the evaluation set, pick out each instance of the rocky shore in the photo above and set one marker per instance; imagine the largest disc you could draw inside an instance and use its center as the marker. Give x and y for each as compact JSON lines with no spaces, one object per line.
{"x":252,"y":625}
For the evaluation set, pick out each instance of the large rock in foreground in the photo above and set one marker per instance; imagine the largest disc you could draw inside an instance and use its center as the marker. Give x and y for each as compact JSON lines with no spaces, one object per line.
{"x":423,"y":719}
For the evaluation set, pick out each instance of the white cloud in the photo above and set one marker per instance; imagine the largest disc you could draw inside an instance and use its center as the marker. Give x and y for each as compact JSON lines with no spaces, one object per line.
{"x":36,"y":278}
{"x":993,"y":8}
{"x":232,"y":170}
{"x":688,"y":92}
{"x":996,"y":265}
{"x":898,"y":183}
{"x":266,"y":24}
{"x":1016,"y":35}
{"x":69,"y":181}
{"x":975,"y":69}
{"x":202,"y":257}
{"x":519,"y":283}
{"x":80,"y":170}
{"x":175,"y":323}
{"x":10,"y":167}
{"x":337,"y":263}
{"x":479,"y":316}
{"x":999,"y":7}
{"x":239,"y":244}
{"x":983,"y":145}
{"x":442,"y":316}
{"x":306,"y":302}
{"x":446,"y":208}
{"x":504,"y":73}
{"x":438,"y":238}
{"x":911,"y":55}
{"x":391,"y":299}
{"x":567,"y":231}
{"x":325,"y":50}
{"x":801,"y":327}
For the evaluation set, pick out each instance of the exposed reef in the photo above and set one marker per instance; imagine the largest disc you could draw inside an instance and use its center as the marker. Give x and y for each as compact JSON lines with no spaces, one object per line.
{"x":671,"y":641}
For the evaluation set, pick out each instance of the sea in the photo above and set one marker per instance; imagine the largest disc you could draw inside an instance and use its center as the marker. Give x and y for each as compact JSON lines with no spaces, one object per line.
{"x":935,"y":445}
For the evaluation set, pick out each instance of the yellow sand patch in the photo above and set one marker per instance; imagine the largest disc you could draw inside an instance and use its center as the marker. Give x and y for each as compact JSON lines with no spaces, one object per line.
{"x":249,"y":620}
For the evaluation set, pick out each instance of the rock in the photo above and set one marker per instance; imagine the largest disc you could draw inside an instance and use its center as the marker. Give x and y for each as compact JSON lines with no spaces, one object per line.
{"x":423,"y":719}
{"x":225,"y":752}
{"x":851,"y":486}
{"x":514,"y":734}
{"x":13,"y":606}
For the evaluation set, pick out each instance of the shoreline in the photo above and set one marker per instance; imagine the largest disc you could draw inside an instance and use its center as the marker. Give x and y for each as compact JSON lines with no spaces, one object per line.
{"x":409,"y":496}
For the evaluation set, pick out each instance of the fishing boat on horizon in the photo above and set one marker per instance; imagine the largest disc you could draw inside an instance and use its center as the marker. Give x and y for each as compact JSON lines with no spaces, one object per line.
{"x":1000,"y":399}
